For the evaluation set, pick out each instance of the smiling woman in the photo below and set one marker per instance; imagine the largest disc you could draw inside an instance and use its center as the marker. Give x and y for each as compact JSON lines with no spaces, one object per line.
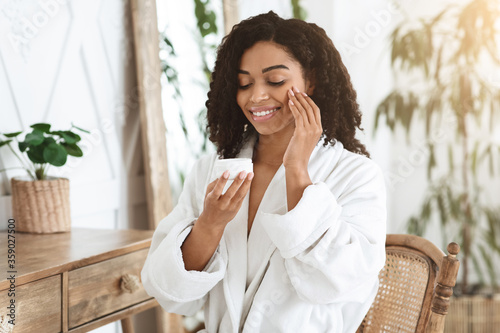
{"x":267,"y":73}
{"x":275,"y":251}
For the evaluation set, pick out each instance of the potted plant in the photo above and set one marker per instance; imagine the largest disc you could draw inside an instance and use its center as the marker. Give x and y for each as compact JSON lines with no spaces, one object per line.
{"x":446,"y":62}
{"x":40,"y":203}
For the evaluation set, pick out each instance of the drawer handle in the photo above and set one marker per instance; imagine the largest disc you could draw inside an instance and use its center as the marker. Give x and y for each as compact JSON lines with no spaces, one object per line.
{"x":129,"y":283}
{"x":5,"y":326}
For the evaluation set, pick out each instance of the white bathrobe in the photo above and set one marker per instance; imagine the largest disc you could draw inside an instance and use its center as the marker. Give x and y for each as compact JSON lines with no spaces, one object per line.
{"x":312,"y":269}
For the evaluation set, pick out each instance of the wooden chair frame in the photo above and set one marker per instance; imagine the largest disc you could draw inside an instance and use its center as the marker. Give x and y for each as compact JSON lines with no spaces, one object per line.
{"x":443,"y":271}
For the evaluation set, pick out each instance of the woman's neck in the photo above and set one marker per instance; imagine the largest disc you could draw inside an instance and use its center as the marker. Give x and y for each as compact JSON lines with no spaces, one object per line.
{"x":270,"y":149}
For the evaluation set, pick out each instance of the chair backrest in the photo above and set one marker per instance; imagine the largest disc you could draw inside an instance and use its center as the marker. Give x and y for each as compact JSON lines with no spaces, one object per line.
{"x":412,"y":295}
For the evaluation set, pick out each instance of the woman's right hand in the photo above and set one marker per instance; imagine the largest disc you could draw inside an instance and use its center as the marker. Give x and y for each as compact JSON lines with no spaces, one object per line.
{"x":219,"y":209}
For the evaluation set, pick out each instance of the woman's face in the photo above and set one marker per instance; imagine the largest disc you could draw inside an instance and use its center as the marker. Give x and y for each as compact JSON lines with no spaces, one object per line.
{"x":265,"y":75}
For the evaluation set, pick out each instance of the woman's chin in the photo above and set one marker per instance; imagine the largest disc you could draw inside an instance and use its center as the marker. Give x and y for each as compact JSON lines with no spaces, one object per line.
{"x":270,"y":130}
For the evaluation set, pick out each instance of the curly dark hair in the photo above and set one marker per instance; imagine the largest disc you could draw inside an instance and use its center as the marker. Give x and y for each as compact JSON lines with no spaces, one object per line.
{"x":309,"y":44}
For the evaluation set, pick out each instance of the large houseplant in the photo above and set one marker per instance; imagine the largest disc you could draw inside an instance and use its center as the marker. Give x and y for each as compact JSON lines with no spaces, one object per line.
{"x":40,"y":203}
{"x":446,"y":63}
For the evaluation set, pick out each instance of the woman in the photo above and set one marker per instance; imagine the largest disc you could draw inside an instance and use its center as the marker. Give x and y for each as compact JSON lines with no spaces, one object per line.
{"x":295,"y":246}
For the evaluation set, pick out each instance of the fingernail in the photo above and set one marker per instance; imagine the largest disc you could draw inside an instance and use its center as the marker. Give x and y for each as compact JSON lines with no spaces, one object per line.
{"x":304,"y":94}
{"x":296,"y":90}
{"x":243,"y":174}
{"x":226,"y":174}
{"x":290,"y":101}
{"x":291,"y":92}
{"x":250,"y":176}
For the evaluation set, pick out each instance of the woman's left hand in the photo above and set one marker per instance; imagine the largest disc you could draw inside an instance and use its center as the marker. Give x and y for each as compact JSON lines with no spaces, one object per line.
{"x":307,"y":132}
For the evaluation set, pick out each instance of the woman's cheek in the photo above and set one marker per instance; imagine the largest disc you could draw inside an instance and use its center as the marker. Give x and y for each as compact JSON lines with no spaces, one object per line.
{"x":240,"y":99}
{"x":284,"y":93}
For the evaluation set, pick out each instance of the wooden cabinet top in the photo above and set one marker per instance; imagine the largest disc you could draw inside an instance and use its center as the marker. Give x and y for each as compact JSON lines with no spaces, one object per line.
{"x":39,"y":256}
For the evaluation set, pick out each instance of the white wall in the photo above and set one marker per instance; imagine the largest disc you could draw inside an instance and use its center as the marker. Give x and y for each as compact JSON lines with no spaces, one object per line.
{"x":72,"y":61}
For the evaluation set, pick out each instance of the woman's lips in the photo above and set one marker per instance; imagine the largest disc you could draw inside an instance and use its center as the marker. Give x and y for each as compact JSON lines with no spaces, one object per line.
{"x":263,"y":113}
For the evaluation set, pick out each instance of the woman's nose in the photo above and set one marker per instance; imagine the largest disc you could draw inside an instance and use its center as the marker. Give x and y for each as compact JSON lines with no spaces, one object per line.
{"x":259,"y":94}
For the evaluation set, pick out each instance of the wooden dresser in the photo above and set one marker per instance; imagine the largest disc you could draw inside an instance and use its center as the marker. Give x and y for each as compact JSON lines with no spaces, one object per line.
{"x":76,"y":281}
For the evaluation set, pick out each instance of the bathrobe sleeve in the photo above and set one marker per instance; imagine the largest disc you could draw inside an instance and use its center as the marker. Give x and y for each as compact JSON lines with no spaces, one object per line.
{"x":163,"y":275}
{"x":333,"y":241}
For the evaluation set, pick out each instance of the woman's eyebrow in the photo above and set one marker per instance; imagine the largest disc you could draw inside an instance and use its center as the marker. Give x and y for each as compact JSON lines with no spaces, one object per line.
{"x":274,"y":67}
{"x":265,"y":70}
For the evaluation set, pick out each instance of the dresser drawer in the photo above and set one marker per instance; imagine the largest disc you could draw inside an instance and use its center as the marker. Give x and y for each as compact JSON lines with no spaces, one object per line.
{"x":96,"y":290}
{"x":37,"y":306}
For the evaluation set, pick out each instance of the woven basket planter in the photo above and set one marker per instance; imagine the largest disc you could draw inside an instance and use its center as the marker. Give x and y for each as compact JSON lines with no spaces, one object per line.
{"x":477,"y":314}
{"x":41,"y":206}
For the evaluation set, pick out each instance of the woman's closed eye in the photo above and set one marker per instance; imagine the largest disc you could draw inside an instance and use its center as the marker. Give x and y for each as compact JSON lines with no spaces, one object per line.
{"x":243,"y":87}
{"x":274,"y":84}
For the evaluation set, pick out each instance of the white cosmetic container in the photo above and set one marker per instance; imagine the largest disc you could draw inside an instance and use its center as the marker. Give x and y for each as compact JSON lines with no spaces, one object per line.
{"x":234,"y":165}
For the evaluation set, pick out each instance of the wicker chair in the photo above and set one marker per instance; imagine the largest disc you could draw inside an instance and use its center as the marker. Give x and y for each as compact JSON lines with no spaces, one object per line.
{"x":412,"y":296}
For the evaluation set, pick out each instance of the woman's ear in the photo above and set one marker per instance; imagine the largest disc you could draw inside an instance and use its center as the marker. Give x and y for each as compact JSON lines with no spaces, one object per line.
{"x":310,"y":83}
{"x":310,"y":88}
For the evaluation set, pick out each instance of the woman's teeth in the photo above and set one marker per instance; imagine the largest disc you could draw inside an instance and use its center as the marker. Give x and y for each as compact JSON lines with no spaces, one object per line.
{"x":264,"y":113}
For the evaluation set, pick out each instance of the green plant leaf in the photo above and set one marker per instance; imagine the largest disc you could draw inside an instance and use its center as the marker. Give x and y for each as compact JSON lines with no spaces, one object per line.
{"x":474,"y":159}
{"x":70,"y":137}
{"x":426,"y":210}
{"x":35,"y":154}
{"x":454,"y":203}
{"x":167,"y":41}
{"x":399,"y":110}
{"x":414,"y":227}
{"x":298,"y":10}
{"x":205,"y":18}
{"x":437,"y":70}
{"x":48,"y":140}
{"x":489,"y":264}
{"x":429,"y":109}
{"x":6,"y":142}
{"x":22,"y":146}
{"x":12,"y":135}
{"x":72,"y":149}
{"x":380,"y":109}
{"x":58,"y":133}
{"x":440,"y":15}
{"x":42,"y":127}
{"x":55,"y":154}
{"x":395,"y":42}
{"x":384,"y":109}
{"x":442,"y":209}
{"x":80,"y":129}
{"x":34,"y":138}
{"x":431,"y":162}
{"x":182,"y":176}
{"x":477,"y":268}
{"x":492,"y":234}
